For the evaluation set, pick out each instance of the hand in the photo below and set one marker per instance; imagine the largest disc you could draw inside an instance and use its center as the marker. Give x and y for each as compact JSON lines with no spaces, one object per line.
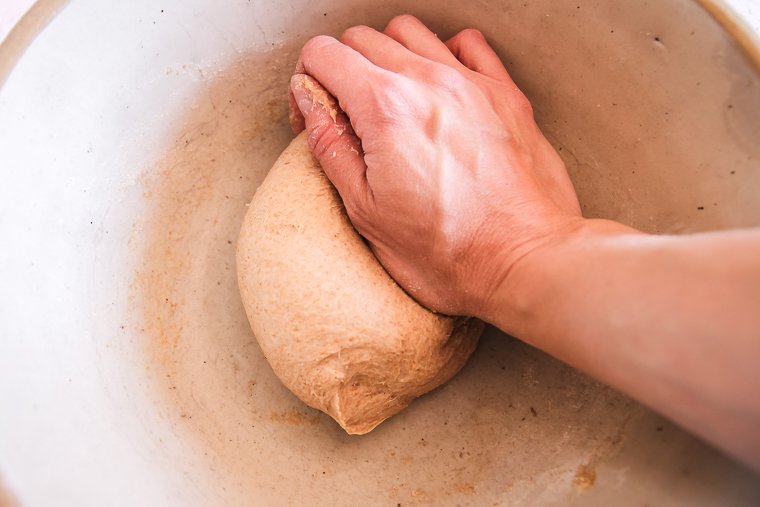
{"x":443,"y":170}
{"x":436,"y":155}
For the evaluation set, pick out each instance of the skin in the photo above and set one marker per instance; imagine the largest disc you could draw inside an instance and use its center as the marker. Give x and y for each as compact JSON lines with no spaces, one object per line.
{"x":442,"y":168}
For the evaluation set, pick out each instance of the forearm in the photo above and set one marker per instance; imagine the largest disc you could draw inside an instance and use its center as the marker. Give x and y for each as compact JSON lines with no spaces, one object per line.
{"x":672,"y":321}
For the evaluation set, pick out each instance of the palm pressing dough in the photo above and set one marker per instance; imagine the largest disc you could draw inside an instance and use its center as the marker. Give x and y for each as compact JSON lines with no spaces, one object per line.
{"x":336,"y":329}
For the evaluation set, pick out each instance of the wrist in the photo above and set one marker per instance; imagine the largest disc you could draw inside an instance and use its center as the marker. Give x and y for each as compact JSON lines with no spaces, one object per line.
{"x":513,"y":300}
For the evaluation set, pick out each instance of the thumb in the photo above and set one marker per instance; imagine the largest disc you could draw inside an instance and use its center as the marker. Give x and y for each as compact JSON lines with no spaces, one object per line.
{"x":333,"y":142}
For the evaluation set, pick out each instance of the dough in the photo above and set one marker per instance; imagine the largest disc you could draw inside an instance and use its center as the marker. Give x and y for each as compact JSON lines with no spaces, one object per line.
{"x":336,"y":329}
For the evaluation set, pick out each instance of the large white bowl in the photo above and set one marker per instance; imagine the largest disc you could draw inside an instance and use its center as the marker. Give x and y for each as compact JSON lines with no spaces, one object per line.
{"x":133,"y":133}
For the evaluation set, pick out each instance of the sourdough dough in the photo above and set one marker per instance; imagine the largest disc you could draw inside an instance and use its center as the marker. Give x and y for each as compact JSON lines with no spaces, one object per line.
{"x":336,"y":329}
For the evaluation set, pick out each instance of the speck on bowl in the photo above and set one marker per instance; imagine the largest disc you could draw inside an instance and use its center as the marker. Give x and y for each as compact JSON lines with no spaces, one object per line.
{"x":132,"y":134}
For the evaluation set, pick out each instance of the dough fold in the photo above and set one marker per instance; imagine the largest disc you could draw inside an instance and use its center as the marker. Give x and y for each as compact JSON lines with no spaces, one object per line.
{"x":334,"y":326}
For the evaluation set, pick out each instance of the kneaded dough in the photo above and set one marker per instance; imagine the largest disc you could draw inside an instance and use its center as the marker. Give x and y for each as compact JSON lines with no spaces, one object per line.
{"x":336,"y":329}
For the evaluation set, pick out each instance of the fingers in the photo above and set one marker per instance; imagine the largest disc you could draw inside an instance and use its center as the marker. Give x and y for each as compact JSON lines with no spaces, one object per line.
{"x":382,"y":50}
{"x":406,"y":46}
{"x":471,"y":48}
{"x":344,"y":72}
{"x":416,"y":37}
{"x":297,"y":122}
{"x":333,"y":142}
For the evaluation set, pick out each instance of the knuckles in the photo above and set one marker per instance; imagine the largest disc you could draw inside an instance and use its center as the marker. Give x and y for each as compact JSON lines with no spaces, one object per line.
{"x":401,"y":24}
{"x":316,"y":45}
{"x":354,"y":34}
{"x":321,"y":138}
{"x":457,"y":88}
{"x":519,"y":103}
{"x":446,"y":77}
{"x":470,"y":35}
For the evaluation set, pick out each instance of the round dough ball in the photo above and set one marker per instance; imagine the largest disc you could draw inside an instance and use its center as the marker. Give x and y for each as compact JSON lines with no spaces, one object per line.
{"x":336,"y":329}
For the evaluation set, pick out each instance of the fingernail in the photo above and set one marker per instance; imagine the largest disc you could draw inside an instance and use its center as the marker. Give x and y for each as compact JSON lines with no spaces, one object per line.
{"x":303,"y":96}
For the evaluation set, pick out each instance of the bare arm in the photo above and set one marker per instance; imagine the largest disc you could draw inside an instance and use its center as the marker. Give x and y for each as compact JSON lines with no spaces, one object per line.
{"x":672,"y":321}
{"x":443,"y":170}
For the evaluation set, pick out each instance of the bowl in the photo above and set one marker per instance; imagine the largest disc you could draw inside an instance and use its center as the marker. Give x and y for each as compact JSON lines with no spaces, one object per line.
{"x":132,"y":136}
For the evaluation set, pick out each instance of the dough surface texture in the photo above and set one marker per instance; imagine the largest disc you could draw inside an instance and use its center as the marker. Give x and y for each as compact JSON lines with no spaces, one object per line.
{"x":334,"y":326}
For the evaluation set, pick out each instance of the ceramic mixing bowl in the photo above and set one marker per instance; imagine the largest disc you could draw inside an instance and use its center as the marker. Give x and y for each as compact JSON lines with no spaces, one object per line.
{"x":132,"y":135}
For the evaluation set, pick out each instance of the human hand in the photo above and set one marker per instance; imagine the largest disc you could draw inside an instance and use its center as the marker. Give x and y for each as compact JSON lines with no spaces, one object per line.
{"x":443,"y":170}
{"x":436,"y":155}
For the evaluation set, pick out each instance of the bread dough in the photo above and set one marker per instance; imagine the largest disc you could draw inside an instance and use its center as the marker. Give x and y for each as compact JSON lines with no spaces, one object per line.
{"x":336,"y":329}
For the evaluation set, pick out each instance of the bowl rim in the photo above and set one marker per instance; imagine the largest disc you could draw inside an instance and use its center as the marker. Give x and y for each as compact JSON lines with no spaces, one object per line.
{"x":43,"y":12}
